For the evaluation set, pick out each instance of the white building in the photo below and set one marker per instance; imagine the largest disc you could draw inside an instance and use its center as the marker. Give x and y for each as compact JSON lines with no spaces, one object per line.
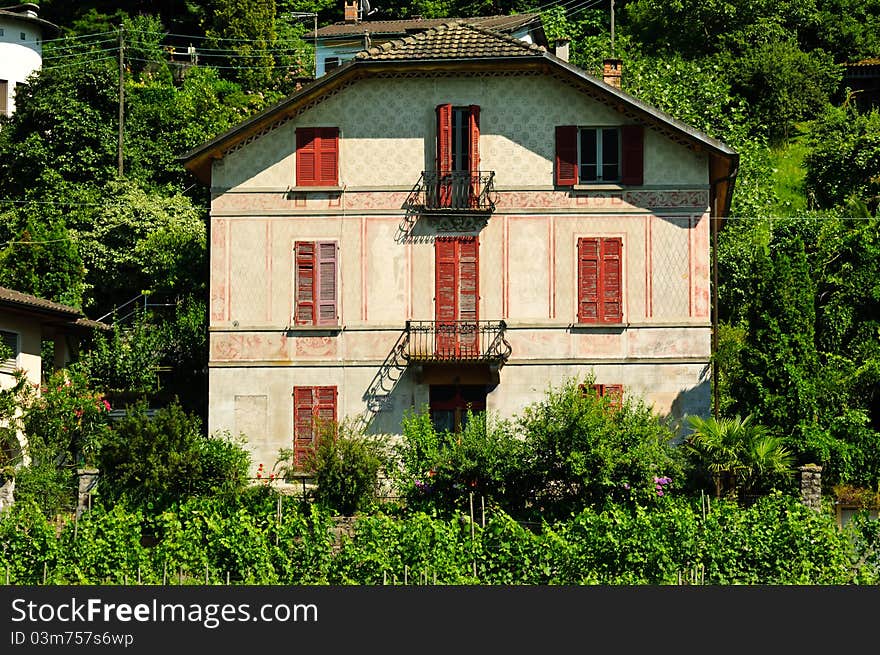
{"x":21,"y":49}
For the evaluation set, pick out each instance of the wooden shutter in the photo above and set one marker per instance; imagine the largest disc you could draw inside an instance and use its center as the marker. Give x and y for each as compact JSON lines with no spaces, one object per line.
{"x":328,"y":156}
{"x":633,"y":153}
{"x":304,"y":305}
{"x":326,"y":284}
{"x":474,"y":154}
{"x":468,"y":296}
{"x":306,"y":156}
{"x":317,"y":156}
{"x":445,"y":295}
{"x":303,"y":424}
{"x":614,"y":393}
{"x":566,"y":155}
{"x":325,"y":406}
{"x":588,"y":280}
{"x":444,"y":139}
{"x":610,"y":281}
{"x":600,"y":288}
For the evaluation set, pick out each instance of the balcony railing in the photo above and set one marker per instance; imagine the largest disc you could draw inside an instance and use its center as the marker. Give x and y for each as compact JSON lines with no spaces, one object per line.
{"x":456,"y":341}
{"x":471,"y":191}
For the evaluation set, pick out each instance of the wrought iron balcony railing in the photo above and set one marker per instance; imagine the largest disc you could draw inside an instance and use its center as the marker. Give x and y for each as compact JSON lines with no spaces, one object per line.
{"x":471,"y":191}
{"x":456,"y":341}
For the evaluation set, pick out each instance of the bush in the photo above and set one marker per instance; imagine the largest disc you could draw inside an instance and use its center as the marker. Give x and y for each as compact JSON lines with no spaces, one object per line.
{"x":154,"y":461}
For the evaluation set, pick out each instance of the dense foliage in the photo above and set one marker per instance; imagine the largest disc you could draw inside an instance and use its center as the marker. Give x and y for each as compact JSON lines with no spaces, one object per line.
{"x":262,"y":538}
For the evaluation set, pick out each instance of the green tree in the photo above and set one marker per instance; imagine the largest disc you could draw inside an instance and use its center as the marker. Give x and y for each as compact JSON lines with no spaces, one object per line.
{"x":42,"y":259}
{"x":156,"y":460}
{"x":740,"y":456}
{"x":844,"y":160}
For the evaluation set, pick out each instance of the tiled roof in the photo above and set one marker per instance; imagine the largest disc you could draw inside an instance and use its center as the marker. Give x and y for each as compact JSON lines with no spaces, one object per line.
{"x":10,"y":296}
{"x":503,"y":23}
{"x":455,"y":40}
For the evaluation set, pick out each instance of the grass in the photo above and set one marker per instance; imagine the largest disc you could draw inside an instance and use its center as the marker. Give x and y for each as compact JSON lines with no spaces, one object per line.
{"x":788,"y":174}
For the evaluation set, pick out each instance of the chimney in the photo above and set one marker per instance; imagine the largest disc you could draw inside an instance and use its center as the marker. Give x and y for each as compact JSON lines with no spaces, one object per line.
{"x":611,"y":71}
{"x":351,"y":11}
{"x":562,"y":49}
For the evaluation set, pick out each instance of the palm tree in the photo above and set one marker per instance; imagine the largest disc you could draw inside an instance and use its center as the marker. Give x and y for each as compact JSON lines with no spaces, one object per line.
{"x":740,"y":455}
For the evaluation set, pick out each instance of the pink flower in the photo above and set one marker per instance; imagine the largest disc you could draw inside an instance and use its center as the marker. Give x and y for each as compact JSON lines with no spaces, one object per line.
{"x":78,"y":413}
{"x":660,"y":492}
{"x":106,"y":404}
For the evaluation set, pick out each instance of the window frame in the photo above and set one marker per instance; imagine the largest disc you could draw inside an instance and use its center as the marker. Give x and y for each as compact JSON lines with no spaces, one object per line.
{"x":599,"y":131}
{"x":311,"y":399}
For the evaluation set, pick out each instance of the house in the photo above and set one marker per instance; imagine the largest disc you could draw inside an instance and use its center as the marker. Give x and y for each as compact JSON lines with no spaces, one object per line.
{"x":339,"y":42}
{"x":455,"y":219}
{"x":26,"y":323}
{"x":21,"y":49}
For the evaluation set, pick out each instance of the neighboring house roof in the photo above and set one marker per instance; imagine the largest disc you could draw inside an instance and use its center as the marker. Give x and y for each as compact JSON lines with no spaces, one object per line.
{"x":46,"y":309}
{"x":502,"y":23}
{"x":452,"y":41}
{"x":454,"y":45}
{"x":874,"y":61}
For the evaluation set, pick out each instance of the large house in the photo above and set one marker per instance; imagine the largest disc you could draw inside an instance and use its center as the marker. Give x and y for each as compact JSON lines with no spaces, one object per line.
{"x":455,"y":219}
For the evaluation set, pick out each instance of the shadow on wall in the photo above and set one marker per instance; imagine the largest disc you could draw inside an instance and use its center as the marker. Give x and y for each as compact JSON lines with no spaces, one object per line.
{"x":694,"y":401}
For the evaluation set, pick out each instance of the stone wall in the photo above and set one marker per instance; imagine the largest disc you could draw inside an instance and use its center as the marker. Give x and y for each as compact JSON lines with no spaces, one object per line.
{"x":811,"y":486}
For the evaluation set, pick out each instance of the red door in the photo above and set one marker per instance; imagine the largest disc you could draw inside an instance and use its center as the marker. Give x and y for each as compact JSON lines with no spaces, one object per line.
{"x":456,"y":301}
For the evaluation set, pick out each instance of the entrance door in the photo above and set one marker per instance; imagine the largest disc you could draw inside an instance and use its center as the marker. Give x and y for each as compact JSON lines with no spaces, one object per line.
{"x":456,"y":300}
{"x":449,"y":405}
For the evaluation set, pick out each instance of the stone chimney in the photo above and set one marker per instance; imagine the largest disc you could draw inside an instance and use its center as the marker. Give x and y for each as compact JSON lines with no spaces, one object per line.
{"x":562,"y":49}
{"x":611,"y":71}
{"x":351,"y":11}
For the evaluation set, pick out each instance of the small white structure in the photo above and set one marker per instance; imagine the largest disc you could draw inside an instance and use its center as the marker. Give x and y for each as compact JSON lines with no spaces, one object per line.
{"x":21,"y":49}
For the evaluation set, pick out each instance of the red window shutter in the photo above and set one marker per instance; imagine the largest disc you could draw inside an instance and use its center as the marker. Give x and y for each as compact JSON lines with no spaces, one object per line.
{"x":325,"y":406}
{"x":306,"y":156}
{"x":468,"y":267}
{"x":303,"y":423}
{"x":588,"y":280}
{"x":328,"y":156}
{"x":566,"y":155}
{"x":326,"y":283}
{"x":444,"y":139}
{"x":610,"y":277}
{"x":633,"y":152}
{"x":614,"y":393}
{"x":306,"y":273}
{"x":317,"y":156}
{"x":474,"y":154}
{"x":446,"y":282}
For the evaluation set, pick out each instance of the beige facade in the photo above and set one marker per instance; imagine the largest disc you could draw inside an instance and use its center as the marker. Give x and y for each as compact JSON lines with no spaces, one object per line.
{"x":385,"y":266}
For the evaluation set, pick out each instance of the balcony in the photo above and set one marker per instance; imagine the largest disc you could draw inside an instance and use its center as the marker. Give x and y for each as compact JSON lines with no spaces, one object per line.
{"x":456,"y":191}
{"x":456,"y":342}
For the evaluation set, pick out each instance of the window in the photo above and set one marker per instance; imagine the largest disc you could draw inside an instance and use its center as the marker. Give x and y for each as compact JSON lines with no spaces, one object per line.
{"x":458,"y":155}
{"x":590,"y":155}
{"x":314,"y":410}
{"x":331,"y":62}
{"x":317,"y":156}
{"x":457,"y":296}
{"x":23,"y":36}
{"x":449,"y":405}
{"x":315,"y":284}
{"x":599,"y":280}
{"x":614,"y":393}
{"x":10,"y":346}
